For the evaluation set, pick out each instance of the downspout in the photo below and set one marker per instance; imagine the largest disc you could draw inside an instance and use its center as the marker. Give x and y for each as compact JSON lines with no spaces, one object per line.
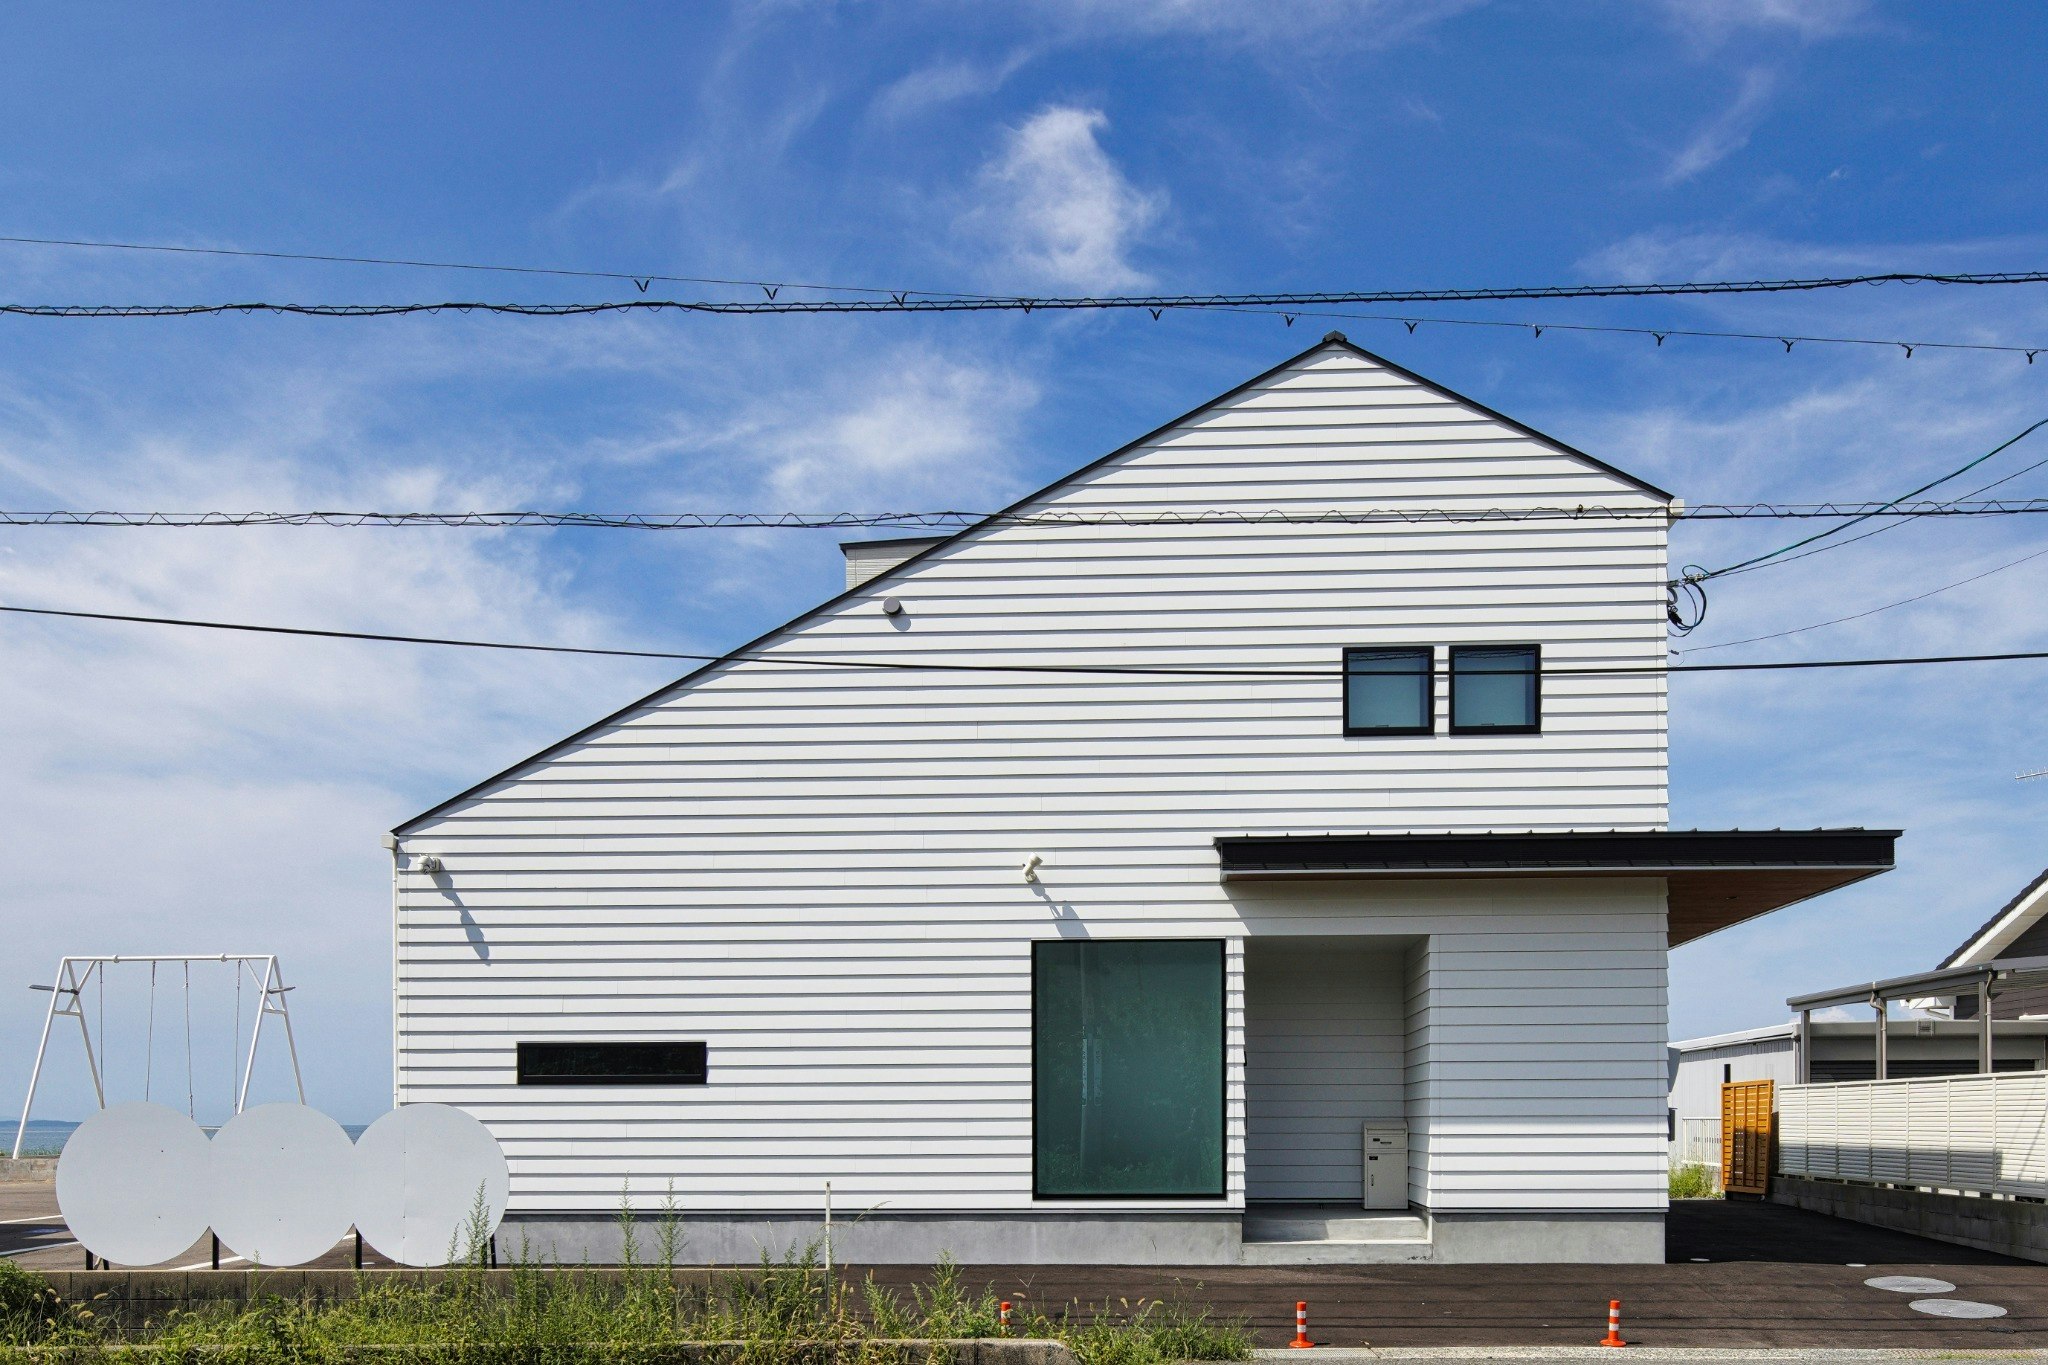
{"x":1987,"y":1058}
{"x":391,"y":846}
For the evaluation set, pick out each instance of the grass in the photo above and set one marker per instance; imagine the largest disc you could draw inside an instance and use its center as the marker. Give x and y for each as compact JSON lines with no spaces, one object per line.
{"x":1693,"y":1180}
{"x":786,"y":1310}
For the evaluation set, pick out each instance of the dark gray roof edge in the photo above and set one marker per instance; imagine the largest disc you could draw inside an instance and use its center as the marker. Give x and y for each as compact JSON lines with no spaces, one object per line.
{"x":1977,"y":934}
{"x":1620,"y":850}
{"x":1337,"y":339}
{"x":891,"y":541}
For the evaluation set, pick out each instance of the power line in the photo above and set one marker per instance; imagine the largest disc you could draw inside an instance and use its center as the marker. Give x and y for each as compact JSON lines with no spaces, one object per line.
{"x":1698,"y":576}
{"x":642,"y":279}
{"x":1890,"y":525}
{"x":905,"y":665}
{"x":1661,"y":334}
{"x":1858,"y":616}
{"x":907,"y":302}
{"x":951,"y":520}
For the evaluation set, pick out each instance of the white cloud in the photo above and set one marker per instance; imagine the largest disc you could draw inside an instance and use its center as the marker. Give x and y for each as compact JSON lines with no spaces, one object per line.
{"x":942,"y":83}
{"x":1727,"y":132}
{"x":1348,"y":24}
{"x":1060,"y":210}
{"x":924,"y":424}
{"x":1717,"y":20}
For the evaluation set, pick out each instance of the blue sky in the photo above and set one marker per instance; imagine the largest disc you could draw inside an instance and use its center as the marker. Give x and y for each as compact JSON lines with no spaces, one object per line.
{"x":167,"y":790}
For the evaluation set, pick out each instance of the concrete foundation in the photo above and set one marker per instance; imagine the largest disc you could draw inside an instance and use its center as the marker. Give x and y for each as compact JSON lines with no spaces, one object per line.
{"x":2010,"y":1227}
{"x":1531,"y":1238}
{"x":1120,"y":1238}
{"x":1123,"y":1237}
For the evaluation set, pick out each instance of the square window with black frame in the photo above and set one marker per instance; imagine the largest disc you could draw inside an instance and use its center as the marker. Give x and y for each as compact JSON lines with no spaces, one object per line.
{"x":1390,"y":691}
{"x":668,"y":1062}
{"x":1496,"y":689}
{"x":1127,"y":1069}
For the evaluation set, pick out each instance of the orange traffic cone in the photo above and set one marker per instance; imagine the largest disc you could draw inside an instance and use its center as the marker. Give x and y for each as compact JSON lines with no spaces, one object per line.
{"x":1301,"y":1325}
{"x":1613,"y":1337}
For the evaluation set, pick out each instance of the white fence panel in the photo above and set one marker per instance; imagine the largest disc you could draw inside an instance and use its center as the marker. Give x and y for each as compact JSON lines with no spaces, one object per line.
{"x":1698,"y":1143}
{"x":1986,"y":1134}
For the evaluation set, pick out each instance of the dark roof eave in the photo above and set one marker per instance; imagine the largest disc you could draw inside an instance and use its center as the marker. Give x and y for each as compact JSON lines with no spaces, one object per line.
{"x":1978,"y":934}
{"x":1649,"y":851}
{"x":1714,"y":879}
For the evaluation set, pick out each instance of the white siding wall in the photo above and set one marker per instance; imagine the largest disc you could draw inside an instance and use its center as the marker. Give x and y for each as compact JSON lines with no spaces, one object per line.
{"x":1415,"y":1070}
{"x":816,"y":870}
{"x":1325,"y":1043}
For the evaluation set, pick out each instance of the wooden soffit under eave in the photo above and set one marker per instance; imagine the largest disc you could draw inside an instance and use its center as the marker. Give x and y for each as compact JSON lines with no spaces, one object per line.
{"x":1700,"y":902}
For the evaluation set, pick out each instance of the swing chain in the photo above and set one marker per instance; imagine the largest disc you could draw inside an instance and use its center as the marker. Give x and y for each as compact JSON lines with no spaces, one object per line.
{"x":149,"y":1039}
{"x":191,"y":1103}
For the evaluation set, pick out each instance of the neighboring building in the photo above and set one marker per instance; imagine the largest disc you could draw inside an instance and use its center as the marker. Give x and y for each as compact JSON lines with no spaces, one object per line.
{"x":1947,"y":1040}
{"x":2015,"y":932}
{"x":1082,"y":888}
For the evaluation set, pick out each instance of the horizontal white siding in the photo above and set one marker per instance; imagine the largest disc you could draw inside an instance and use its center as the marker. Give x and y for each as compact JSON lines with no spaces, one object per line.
{"x":1325,"y":1044}
{"x":815,"y":870}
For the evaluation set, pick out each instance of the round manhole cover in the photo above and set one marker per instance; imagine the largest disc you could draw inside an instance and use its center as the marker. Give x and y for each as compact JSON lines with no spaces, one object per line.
{"x":1956,"y":1308}
{"x":1910,"y":1284}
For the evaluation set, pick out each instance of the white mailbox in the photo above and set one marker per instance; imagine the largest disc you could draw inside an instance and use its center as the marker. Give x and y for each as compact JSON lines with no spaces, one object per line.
{"x":1386,"y":1165}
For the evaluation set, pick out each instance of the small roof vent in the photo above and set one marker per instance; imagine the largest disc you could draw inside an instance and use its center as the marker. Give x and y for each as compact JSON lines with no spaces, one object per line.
{"x":865,"y":559}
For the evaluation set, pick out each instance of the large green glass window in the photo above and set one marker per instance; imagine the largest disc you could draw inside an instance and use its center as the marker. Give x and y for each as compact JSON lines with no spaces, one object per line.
{"x":1127,"y":1069}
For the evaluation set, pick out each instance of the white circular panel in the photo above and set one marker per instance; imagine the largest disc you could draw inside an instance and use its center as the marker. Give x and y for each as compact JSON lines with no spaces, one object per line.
{"x":131,"y":1183}
{"x":282,"y":1175}
{"x":1910,"y":1284}
{"x":419,"y":1172}
{"x":1956,"y":1308}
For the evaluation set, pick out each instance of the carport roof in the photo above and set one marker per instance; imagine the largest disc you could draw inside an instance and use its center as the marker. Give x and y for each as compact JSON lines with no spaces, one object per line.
{"x":1713,"y":878}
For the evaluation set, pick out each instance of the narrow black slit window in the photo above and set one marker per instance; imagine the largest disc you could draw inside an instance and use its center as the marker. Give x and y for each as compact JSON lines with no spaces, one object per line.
{"x":663,"y":1063}
{"x":1496,"y":689}
{"x":1389,"y":691}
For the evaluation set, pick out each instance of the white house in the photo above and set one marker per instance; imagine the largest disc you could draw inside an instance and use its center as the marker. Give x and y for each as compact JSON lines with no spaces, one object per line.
{"x":1084,"y":885}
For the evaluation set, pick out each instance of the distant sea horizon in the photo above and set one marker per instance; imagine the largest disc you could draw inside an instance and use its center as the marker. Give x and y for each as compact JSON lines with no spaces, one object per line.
{"x":46,"y":1137}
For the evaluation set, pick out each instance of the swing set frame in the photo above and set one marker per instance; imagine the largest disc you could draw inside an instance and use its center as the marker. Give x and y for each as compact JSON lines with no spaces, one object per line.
{"x":67,"y":1000}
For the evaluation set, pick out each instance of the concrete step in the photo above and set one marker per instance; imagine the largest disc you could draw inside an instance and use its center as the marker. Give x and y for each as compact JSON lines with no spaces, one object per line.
{"x":1334,"y":1253}
{"x":1311,"y":1224}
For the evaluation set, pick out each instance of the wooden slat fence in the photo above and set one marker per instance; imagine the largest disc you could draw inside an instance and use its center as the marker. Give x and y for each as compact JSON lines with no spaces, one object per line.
{"x":1746,"y":1137}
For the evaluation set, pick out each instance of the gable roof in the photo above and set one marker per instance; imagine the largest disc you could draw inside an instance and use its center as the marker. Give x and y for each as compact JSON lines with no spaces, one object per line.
{"x":1996,"y":934}
{"x":1332,"y":341}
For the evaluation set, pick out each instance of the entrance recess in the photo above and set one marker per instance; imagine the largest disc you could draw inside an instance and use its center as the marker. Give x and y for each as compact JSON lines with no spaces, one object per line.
{"x":1326,"y":1038}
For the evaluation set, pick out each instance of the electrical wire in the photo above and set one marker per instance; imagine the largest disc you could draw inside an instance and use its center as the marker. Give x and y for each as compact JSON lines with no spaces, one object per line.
{"x":1757,"y":561}
{"x":1858,"y":616}
{"x":958,"y":519}
{"x":1937,"y":510}
{"x":1659,"y":334}
{"x":642,"y":279}
{"x":928,"y":666}
{"x":905,"y":302}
